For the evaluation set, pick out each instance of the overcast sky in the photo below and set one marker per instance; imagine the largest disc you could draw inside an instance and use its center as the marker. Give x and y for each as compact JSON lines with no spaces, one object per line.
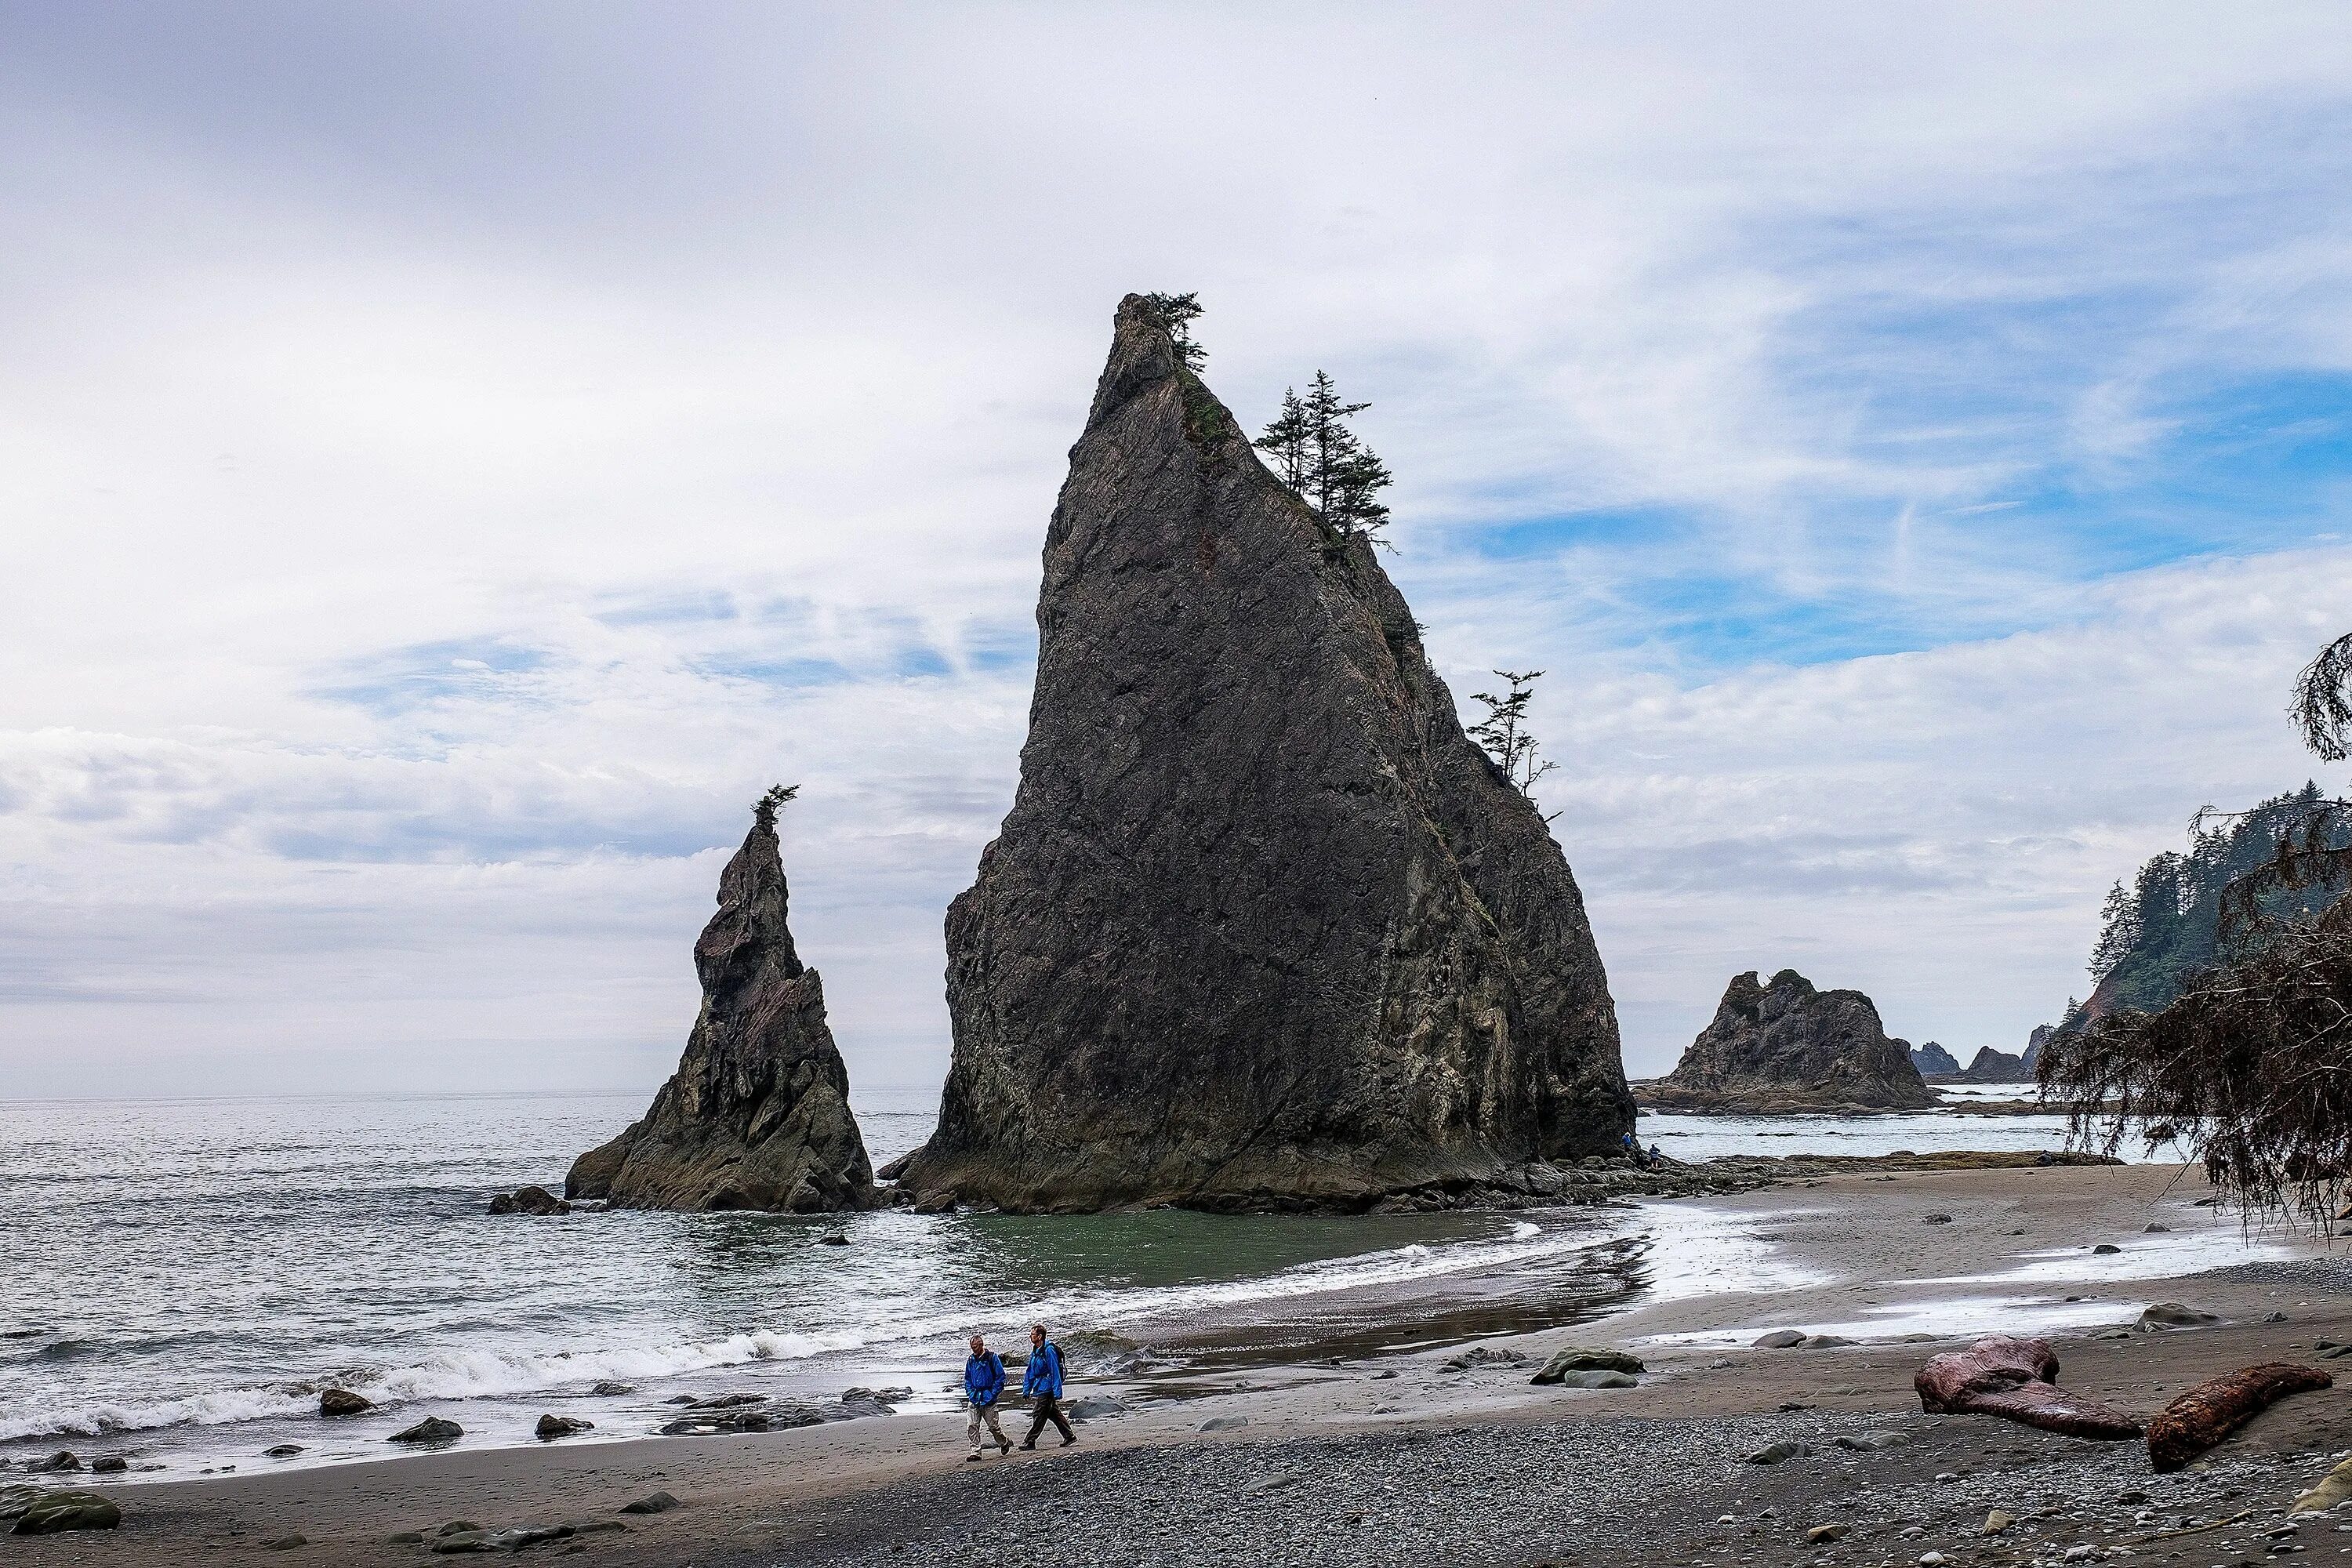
{"x":453,"y":458}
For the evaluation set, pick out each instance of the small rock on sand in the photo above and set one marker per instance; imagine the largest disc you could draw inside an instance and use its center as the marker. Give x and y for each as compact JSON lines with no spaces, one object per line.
{"x":58,"y":1463}
{"x":1996,"y":1521}
{"x":282,"y":1451}
{"x":1775,"y":1452}
{"x":1224,"y":1424}
{"x":2104,"y":1249}
{"x":343,"y":1402}
{"x":610,"y":1389}
{"x":660,"y":1502}
{"x":551,"y":1427}
{"x":1781,"y":1340}
{"x":1826,"y":1532}
{"x":1588,"y":1358}
{"x":2333,"y":1488}
{"x":109,"y":1464}
{"x":432,"y":1429}
{"x":1597,"y":1380}
{"x":2173,"y":1315}
{"x":1096,"y":1410}
{"x":285,"y":1542}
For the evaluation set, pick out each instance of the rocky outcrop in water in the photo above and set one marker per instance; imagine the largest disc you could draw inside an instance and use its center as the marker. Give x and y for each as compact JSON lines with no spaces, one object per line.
{"x":1933,"y":1060}
{"x":756,"y":1115}
{"x":1787,"y":1047}
{"x":1264,"y":928}
{"x":1990,"y":1066}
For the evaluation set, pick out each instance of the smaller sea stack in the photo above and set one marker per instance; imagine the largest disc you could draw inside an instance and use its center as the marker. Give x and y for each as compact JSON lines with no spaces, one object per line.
{"x":1786,"y":1046}
{"x":756,"y":1115}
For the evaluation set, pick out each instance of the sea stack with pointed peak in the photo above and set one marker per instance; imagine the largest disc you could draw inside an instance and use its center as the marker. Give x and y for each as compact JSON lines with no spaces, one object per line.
{"x":756,"y":1115}
{"x":1788,"y":1047}
{"x":1264,"y":928}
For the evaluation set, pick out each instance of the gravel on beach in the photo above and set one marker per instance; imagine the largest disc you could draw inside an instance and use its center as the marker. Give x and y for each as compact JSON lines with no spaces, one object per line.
{"x":1588,"y":1492}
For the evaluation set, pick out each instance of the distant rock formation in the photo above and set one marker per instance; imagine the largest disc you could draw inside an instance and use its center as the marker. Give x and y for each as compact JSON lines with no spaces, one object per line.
{"x":1932,"y":1059}
{"x":756,"y":1115}
{"x":1264,"y":928}
{"x":1787,"y":1047}
{"x":2033,"y":1044}
{"x":1998,"y":1067}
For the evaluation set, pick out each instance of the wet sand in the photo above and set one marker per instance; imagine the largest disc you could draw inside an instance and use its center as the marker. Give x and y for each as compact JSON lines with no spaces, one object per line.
{"x":1476,"y":1464}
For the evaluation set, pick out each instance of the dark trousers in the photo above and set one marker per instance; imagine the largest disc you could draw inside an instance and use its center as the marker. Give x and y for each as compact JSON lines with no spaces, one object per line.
{"x":1047,"y":1408}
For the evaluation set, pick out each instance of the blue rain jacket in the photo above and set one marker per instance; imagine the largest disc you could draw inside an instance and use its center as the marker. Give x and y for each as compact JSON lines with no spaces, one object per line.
{"x":983,"y":1377}
{"x":1045,"y":1374}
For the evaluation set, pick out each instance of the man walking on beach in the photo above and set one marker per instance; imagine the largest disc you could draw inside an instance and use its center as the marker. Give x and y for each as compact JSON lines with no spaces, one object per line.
{"x":984,"y":1380}
{"x":1042,"y":1382}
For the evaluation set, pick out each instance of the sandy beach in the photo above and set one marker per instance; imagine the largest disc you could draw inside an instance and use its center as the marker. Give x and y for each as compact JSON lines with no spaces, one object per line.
{"x":1399,"y":1456}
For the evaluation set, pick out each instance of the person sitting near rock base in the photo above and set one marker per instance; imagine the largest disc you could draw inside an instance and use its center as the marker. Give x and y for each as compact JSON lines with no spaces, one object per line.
{"x":1042,"y":1382}
{"x":1634,"y":1151}
{"x":983,"y":1381}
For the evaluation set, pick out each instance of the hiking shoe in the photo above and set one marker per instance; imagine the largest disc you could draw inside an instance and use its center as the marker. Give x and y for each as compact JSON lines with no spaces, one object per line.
{"x":1029,"y":1447}
{"x":974,"y":1459}
{"x":1067,"y":1441}
{"x":1004,"y":1446}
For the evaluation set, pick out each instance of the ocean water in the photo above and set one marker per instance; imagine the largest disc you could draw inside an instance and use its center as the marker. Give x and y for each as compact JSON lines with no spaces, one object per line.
{"x":179,"y":1279}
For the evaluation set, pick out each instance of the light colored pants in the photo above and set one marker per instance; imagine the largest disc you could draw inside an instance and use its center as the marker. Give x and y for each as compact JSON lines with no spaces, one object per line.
{"x":980,"y":1413}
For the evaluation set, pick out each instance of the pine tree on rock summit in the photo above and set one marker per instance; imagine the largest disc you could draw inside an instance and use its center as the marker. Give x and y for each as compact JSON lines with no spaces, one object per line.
{"x":1179,"y":312}
{"x":1317,"y":456}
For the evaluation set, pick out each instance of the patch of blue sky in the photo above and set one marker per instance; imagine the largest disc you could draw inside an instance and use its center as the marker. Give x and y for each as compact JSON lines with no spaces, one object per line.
{"x":920,"y":661}
{"x":2000,"y":451}
{"x":400,"y":680}
{"x":999,"y":646}
{"x":769,"y":670}
{"x":671,"y":609}
{"x":1538,"y":538}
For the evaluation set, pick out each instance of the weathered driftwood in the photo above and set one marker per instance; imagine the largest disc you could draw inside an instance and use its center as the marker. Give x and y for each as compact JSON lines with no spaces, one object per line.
{"x":2211,"y":1411}
{"x":2014,"y":1378}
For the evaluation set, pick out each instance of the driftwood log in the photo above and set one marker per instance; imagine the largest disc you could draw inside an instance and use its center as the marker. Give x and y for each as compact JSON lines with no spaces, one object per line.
{"x":2015,"y":1379}
{"x":2211,"y":1411}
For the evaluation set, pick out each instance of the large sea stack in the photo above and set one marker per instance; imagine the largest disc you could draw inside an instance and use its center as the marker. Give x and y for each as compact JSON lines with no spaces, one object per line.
{"x":756,"y":1115}
{"x":1263,"y":929}
{"x":1787,"y":1047}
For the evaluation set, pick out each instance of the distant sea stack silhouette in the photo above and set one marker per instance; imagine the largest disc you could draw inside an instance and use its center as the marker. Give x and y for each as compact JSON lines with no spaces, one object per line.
{"x":756,"y":1115}
{"x":1263,"y":929}
{"x":1788,"y":1047}
{"x":1933,"y":1060}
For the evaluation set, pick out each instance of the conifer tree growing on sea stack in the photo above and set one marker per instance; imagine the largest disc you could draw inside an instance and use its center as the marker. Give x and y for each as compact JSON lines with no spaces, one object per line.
{"x":756,"y":1115}
{"x":1264,"y":927}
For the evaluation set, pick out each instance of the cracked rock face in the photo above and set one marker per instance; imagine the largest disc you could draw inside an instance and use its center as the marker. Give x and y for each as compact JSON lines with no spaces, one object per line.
{"x":1264,"y":928}
{"x":756,"y":1115}
{"x":1788,"y":1042}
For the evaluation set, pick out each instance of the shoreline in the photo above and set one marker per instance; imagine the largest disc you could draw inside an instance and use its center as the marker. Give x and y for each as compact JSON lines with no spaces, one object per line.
{"x":1861,"y":1255}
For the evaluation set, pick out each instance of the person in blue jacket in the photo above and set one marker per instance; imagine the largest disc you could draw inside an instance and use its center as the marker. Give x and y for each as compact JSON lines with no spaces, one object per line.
{"x":1043,"y":1383}
{"x":983,"y":1381}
